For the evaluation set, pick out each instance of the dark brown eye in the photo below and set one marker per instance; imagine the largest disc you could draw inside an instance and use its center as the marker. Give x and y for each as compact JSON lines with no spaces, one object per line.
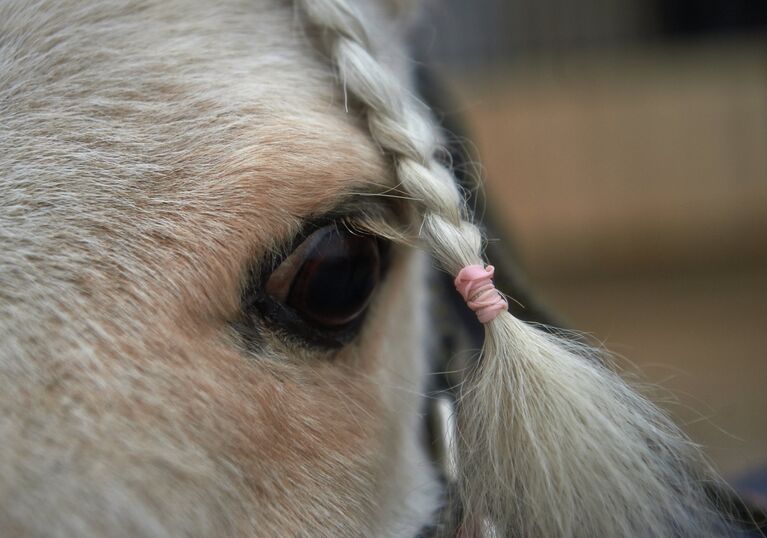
{"x":330,"y":278}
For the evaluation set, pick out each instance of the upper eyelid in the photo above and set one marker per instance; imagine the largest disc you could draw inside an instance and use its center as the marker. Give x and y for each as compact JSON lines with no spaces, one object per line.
{"x":360,"y":210}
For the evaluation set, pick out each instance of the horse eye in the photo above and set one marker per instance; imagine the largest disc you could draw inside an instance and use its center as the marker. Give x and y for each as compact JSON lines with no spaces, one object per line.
{"x":330,"y":278}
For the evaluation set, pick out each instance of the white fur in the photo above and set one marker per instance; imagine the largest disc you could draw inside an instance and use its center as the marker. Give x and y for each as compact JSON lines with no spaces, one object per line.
{"x":149,"y":152}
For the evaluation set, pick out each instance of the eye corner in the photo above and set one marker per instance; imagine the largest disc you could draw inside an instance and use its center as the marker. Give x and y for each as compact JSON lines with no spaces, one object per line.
{"x":266,"y":312}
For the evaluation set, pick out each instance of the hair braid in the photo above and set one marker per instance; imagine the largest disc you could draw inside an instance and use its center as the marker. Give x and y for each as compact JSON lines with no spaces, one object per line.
{"x":553,"y":443}
{"x":401,"y":129}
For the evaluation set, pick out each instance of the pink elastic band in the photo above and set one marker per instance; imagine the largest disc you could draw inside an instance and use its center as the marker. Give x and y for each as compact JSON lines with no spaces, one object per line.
{"x":475,"y":284}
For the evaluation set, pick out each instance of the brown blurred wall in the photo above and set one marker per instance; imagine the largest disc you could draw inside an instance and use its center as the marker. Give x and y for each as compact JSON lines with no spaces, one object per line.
{"x":635,"y":184}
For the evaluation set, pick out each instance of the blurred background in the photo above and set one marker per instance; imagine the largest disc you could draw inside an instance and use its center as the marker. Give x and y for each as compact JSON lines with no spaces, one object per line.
{"x":624,"y":148}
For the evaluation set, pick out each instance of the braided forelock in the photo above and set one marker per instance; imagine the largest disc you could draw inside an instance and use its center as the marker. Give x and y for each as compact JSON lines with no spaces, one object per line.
{"x":552,"y":442}
{"x":397,"y":124}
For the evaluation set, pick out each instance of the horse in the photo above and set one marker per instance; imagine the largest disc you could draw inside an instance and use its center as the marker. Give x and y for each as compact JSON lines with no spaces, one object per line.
{"x":219,"y":307}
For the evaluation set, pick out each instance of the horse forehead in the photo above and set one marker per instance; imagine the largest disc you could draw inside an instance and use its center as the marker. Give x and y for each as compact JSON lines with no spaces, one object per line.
{"x":145,"y":112}
{"x":147,"y":145}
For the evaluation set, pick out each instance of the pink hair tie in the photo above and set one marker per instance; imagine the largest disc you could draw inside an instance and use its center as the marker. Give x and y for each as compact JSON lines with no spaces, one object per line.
{"x":475,"y":284}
